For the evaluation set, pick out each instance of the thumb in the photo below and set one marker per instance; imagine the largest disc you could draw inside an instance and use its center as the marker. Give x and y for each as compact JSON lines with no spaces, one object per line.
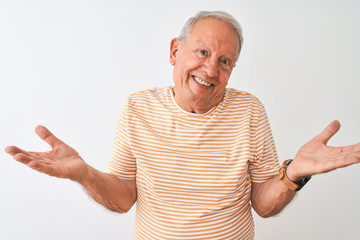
{"x":47,"y":136}
{"x":328,"y":132}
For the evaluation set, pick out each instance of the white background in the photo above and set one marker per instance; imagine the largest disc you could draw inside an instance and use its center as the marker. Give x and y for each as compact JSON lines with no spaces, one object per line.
{"x":69,"y":65}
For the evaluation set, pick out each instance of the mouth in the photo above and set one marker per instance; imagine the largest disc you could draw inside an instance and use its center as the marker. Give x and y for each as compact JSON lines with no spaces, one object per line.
{"x":201,"y":81}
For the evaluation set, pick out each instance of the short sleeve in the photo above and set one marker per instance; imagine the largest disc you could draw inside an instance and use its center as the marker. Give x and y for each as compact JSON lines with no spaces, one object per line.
{"x":266,"y":163}
{"x":122,"y":163}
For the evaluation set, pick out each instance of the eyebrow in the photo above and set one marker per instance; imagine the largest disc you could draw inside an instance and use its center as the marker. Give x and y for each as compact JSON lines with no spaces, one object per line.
{"x":203,"y":43}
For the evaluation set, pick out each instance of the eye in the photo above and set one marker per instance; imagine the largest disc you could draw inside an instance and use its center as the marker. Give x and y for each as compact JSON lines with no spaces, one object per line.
{"x":226,"y":63}
{"x":202,"y":53}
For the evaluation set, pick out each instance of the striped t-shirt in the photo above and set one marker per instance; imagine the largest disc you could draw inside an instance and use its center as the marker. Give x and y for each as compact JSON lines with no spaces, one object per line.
{"x":193,"y":171}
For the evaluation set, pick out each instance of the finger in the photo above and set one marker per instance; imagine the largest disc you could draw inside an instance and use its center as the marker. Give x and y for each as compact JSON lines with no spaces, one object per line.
{"x":24,"y":158}
{"x":351,"y":155}
{"x":42,"y":167}
{"x":12,"y":150}
{"x":21,"y":155}
{"x":347,"y":161}
{"x":47,"y":136}
{"x":31,"y":159}
{"x":328,"y":132}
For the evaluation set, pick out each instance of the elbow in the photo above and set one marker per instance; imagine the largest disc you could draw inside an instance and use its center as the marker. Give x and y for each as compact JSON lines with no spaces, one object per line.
{"x":121,"y":208}
{"x":265,"y":212}
{"x":123,"y":204}
{"x":128,"y":198}
{"x":126,"y":208}
{"x":269,"y":214}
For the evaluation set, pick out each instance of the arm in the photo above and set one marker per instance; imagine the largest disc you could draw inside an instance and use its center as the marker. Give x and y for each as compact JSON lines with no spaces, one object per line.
{"x":115,"y":194}
{"x":315,"y":157}
{"x":64,"y":162}
{"x":270,"y":197}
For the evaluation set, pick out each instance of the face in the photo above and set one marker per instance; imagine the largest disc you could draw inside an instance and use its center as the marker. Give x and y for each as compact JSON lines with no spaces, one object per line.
{"x":203,"y":64}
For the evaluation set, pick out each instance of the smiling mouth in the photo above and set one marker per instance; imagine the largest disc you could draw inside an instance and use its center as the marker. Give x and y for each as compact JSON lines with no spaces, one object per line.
{"x":201,"y":82}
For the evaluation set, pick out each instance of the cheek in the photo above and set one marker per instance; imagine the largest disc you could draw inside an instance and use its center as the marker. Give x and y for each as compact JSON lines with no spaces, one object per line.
{"x":193,"y":63}
{"x":224,"y":78}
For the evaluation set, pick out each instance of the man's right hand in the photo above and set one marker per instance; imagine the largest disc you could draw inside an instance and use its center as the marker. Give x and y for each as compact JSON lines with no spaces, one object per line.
{"x":61,"y":161}
{"x":64,"y":162}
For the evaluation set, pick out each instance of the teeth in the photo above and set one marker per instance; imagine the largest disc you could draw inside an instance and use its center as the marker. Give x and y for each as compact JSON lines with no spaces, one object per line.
{"x":202,"y":82}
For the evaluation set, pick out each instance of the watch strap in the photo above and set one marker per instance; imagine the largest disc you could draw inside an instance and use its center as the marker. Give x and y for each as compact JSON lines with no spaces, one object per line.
{"x":284,"y":178}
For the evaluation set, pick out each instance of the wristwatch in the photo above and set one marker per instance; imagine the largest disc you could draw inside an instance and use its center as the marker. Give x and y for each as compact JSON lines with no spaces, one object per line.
{"x":284,"y":178}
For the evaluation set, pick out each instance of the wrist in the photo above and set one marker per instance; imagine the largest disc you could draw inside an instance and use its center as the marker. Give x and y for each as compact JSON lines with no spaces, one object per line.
{"x":292,"y":181}
{"x":291,"y":173}
{"x":84,"y":175}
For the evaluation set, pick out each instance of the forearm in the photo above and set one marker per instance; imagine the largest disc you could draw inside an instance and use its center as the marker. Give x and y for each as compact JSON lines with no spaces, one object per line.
{"x":113,"y":193}
{"x":270,"y":197}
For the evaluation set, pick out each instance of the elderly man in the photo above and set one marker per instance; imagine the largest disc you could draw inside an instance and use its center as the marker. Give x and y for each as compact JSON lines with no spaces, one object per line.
{"x":195,"y":155}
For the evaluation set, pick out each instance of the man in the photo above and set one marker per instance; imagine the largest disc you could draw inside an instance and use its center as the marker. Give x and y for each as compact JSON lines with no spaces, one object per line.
{"x":194,"y":156}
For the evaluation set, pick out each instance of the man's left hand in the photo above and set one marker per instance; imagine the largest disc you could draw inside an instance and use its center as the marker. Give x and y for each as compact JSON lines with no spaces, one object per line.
{"x":316,"y":157}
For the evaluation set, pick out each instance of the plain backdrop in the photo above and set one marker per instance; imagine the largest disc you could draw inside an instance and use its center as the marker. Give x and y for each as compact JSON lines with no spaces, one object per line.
{"x":70,"y":64}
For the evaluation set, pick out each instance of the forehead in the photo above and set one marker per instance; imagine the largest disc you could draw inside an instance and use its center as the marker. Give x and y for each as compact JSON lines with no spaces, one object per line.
{"x":215,"y":33}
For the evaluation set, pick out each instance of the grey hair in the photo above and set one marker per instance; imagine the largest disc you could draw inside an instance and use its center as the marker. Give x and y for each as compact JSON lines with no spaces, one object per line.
{"x":213,"y":14}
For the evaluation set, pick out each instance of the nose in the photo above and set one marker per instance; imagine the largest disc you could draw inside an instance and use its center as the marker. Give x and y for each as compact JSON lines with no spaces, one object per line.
{"x":211,"y":67}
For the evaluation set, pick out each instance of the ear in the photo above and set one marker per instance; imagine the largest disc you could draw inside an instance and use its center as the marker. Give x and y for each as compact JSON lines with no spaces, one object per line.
{"x":174,"y":47}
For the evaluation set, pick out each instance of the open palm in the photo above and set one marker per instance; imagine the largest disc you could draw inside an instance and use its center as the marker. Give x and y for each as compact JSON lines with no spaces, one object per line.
{"x":61,"y":161}
{"x":316,"y":157}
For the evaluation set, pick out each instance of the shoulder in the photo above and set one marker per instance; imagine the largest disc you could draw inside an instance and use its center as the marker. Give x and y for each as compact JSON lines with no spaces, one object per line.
{"x":150,"y":93}
{"x":149,"y":96}
{"x":234,"y":97}
{"x":149,"y":100}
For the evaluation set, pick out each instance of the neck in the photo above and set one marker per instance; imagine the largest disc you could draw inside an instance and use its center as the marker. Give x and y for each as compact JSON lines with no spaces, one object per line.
{"x":191,"y":106}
